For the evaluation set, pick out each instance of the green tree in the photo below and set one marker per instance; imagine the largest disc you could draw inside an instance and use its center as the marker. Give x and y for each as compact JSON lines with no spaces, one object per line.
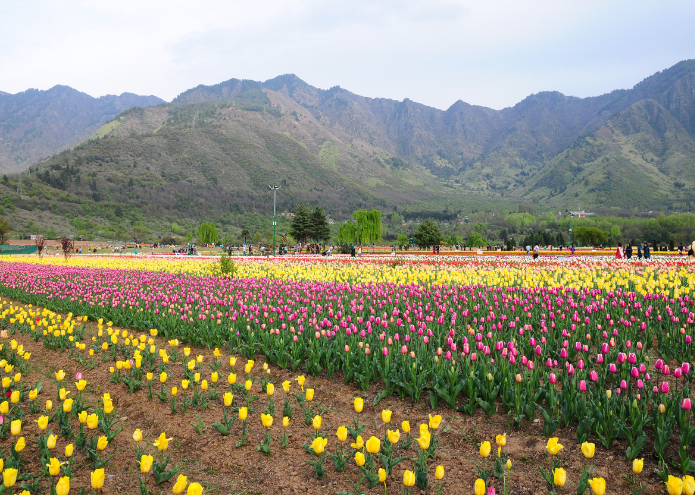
{"x":319,"y":229}
{"x":207,"y":233}
{"x":139,"y":233}
{"x":590,"y":236}
{"x":300,"y":228}
{"x":346,"y":233}
{"x":245,"y":234}
{"x":257,"y":238}
{"x":402,"y":240}
{"x":475,"y":240}
{"x":4,"y":230}
{"x":427,"y":234}
{"x":368,"y":226}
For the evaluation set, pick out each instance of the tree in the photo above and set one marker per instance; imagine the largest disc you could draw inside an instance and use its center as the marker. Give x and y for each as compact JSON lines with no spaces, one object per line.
{"x":560,"y":239}
{"x":66,"y":245}
{"x":346,"y":233}
{"x":300,"y":228}
{"x":257,"y":238}
{"x":427,"y":234}
{"x":139,"y":232}
{"x":40,"y":244}
{"x":402,"y":240}
{"x":207,"y":233}
{"x":475,"y":240}
{"x":368,"y":226}
{"x":245,"y":234}
{"x":319,"y":229}
{"x":590,"y":236}
{"x":4,"y":230}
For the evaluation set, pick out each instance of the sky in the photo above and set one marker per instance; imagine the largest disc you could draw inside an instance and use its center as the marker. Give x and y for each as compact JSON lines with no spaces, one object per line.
{"x":485,"y":52}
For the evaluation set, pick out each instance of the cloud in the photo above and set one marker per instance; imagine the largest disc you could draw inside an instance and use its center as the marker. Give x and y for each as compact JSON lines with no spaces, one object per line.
{"x":491,"y":53}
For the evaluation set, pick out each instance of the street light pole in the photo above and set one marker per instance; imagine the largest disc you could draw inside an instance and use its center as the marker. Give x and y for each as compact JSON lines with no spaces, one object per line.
{"x":274,"y":188}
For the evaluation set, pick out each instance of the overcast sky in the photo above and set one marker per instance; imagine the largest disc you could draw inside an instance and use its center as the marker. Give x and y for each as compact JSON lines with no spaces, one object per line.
{"x":486,"y":52}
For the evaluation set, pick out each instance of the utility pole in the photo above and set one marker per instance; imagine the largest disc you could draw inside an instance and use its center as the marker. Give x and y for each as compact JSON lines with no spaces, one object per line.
{"x":274,"y":188}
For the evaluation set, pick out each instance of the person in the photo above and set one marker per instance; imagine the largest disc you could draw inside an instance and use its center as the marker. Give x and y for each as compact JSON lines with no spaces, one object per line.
{"x":691,"y":251}
{"x":572,"y":249}
{"x":359,"y":251}
{"x":536,"y":251}
{"x":680,"y":249}
{"x":352,"y":250}
{"x":619,"y":252}
{"x":639,"y":251}
{"x":628,"y":251}
{"x":528,"y":249}
{"x":647,"y":254}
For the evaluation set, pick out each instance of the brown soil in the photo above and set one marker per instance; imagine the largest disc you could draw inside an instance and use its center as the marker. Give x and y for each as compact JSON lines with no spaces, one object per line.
{"x":212,"y":459}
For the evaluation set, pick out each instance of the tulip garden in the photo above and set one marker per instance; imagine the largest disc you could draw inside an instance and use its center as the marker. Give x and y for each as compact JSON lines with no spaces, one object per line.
{"x":415,"y":374}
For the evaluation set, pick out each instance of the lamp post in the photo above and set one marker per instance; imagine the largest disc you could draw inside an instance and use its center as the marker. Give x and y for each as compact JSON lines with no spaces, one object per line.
{"x":274,"y":188}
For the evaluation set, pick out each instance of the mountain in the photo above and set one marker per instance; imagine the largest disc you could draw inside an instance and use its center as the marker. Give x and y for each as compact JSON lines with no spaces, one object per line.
{"x":36,"y":124}
{"x":213,"y":151}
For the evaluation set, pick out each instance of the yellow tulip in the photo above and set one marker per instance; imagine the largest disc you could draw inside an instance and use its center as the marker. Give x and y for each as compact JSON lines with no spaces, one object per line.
{"x":180,"y":485}
{"x":386,"y":416}
{"x":248,"y":385}
{"x":249,"y":366}
{"x":559,"y":477}
{"x":231,"y":379}
{"x":174,"y":390}
{"x":501,"y":440}
{"x":309,"y":394}
{"x":67,"y":405}
{"x":359,"y":443}
{"x":232,"y":361}
{"x":598,"y":485}
{"x":316,"y":422}
{"x":51,"y":441}
{"x":553,"y":446}
{"x":92,"y":421}
{"x":359,"y":458}
{"x":479,"y":487}
{"x":637,"y":465}
{"x":243,"y":413}
{"x":102,"y":443}
{"x":270,"y":389}
{"x":439,"y":472}
{"x":33,"y":394}
{"x":319,"y":445}
{"x":485,"y":449}
{"x":408,"y":478}
{"x":509,"y":463}
{"x":588,"y":449}
{"x":63,"y":486}
{"x":69,"y":449}
{"x":80,"y":385}
{"x":19,"y":446}
{"x":228,"y":398}
{"x":43,"y":421}
{"x":97,"y":478}
{"x":424,"y":441}
{"x":53,"y":466}
{"x":405,"y":426}
{"x":49,"y":405}
{"x":14,"y":397}
{"x":4,"y":407}
{"x":300,"y":380}
{"x":204,"y":385}
{"x":194,"y":489}
{"x":373,"y":445}
{"x":196,"y":377}
{"x":393,"y":436}
{"x":137,"y":435}
{"x":184,"y":384}
{"x":435,"y":421}
{"x":9,"y":477}
{"x":688,"y":485}
{"x":382,"y":475}
{"x":214,"y":377}
{"x":191,"y":365}
{"x":359,"y":404}
{"x":162,"y":443}
{"x":285,"y":421}
{"x":16,"y":427}
{"x":342,"y":433}
{"x":146,"y":463}
{"x":267,"y":420}
{"x":108,"y":406}
{"x":162,"y":377}
{"x":60,"y":375}
{"x":62,"y":394}
{"x":286,"y":386}
{"x":186,"y":351}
